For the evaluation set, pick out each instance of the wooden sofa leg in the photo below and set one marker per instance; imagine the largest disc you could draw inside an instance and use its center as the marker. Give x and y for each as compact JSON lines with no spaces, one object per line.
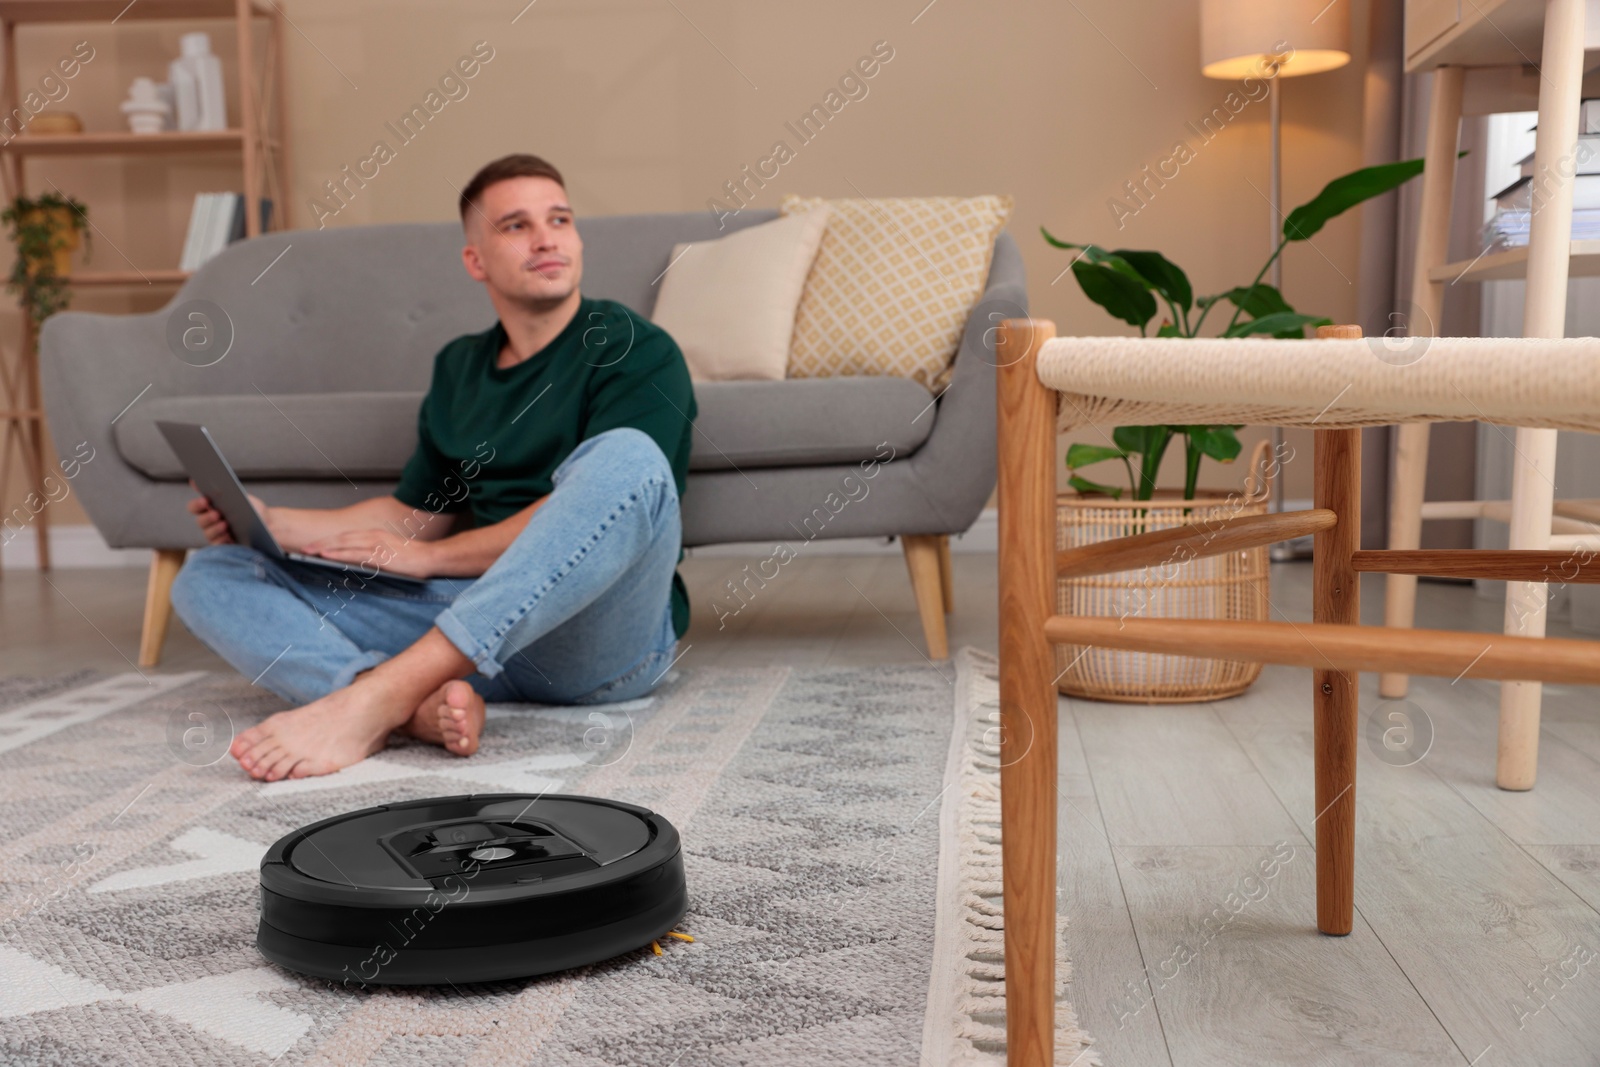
{"x":946,"y":584}
{"x":158,"y":603}
{"x":922,"y":560}
{"x":1336,"y":598}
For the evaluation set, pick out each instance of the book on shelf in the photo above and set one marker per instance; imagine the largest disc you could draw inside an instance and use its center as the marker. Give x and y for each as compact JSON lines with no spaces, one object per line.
{"x":1518,"y":196}
{"x":1509,"y":229}
{"x":216,"y":221}
{"x":1509,"y":226}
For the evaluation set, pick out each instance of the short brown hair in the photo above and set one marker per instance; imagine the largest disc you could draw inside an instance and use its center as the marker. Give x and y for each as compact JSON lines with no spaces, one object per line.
{"x":519,"y":165}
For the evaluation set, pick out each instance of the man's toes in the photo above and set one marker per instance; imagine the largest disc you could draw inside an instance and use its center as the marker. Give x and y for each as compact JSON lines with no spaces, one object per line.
{"x":254,"y":754}
{"x":452,"y":722}
{"x":455,"y":728}
{"x":245,"y":742}
{"x":279,"y":766}
{"x":424,"y":722}
{"x":260,"y":760}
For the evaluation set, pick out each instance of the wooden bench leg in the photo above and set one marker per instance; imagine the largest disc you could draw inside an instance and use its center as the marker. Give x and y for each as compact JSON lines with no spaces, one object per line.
{"x":922,"y":560}
{"x":158,"y":603}
{"x":1027,"y":693}
{"x":1336,"y":598}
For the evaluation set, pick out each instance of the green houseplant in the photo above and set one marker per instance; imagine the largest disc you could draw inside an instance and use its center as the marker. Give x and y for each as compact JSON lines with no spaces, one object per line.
{"x":45,"y":231}
{"x":1134,"y":286}
{"x":1128,"y":283}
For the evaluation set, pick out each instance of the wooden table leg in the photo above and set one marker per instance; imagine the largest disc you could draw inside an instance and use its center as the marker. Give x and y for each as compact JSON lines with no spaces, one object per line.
{"x":1544,"y":314}
{"x":1427,"y":309}
{"x":1336,"y":598}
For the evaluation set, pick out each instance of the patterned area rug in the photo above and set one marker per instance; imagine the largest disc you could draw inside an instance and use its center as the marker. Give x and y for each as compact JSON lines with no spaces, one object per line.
{"x":839,"y":839}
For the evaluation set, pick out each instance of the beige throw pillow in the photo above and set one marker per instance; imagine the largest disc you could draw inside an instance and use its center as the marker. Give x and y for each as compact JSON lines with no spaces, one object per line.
{"x":893,"y":284}
{"x":730,"y":303}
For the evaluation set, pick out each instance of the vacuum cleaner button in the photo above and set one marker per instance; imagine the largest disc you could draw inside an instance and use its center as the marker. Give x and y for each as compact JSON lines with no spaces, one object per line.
{"x":493,"y":852}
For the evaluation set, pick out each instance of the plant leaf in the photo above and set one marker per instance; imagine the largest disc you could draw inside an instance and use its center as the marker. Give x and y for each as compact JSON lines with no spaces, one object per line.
{"x":1095,"y":254}
{"x":1057,"y":241}
{"x":1132,"y":439}
{"x":1124,"y":297}
{"x":1257,"y":300}
{"x":1084,"y":485}
{"x":1081,"y":455}
{"x":1218,"y":442}
{"x":1164,"y":276}
{"x":1278,"y":324}
{"x":1345,"y":192}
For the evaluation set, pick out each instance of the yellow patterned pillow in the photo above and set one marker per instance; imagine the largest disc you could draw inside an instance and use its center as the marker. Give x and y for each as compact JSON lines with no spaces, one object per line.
{"x":893,"y":284}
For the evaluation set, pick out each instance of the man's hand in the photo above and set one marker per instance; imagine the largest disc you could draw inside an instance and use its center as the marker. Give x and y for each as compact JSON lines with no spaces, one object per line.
{"x":213,"y":525}
{"x":380,"y":549}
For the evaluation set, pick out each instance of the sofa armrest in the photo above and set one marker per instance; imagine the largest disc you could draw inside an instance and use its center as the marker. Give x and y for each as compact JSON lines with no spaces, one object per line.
{"x":92,"y":368}
{"x":955,"y":467}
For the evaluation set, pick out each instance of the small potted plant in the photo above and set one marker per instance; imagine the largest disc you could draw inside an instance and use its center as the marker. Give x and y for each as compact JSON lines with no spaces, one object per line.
{"x":1128,"y":284}
{"x":46,"y":231}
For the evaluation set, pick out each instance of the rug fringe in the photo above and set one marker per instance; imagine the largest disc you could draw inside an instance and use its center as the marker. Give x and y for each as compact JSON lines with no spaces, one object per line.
{"x":980,"y":993}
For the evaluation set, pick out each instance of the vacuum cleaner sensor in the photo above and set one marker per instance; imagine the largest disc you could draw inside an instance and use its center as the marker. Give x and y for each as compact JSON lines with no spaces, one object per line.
{"x":469,"y":889}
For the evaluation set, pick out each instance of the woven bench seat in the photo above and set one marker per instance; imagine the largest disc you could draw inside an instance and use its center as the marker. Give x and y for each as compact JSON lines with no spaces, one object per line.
{"x":1326,"y":385}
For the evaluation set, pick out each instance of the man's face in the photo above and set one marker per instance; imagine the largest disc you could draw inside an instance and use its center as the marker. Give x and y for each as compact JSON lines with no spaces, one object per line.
{"x":522,"y":243}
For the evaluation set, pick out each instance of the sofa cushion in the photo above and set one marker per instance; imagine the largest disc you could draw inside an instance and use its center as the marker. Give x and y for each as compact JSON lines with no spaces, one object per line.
{"x":807,"y":422}
{"x":297,"y":435}
{"x":730,"y":303}
{"x":910,"y":269}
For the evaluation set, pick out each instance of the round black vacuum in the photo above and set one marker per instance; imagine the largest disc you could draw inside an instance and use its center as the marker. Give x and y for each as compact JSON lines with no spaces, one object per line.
{"x":469,"y":889}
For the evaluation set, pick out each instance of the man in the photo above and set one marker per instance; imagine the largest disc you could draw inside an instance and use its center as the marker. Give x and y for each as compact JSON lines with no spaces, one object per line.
{"x":541,"y":505}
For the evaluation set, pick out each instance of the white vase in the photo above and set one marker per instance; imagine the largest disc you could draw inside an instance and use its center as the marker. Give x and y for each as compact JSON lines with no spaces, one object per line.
{"x":147,"y":111}
{"x":197,"y":85}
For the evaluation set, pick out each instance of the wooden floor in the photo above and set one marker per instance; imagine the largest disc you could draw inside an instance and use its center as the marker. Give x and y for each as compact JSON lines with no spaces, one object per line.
{"x":1186,"y":862}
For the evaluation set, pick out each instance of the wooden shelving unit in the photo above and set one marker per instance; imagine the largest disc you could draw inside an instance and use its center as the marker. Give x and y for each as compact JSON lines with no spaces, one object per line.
{"x":1513,"y":263}
{"x":1488,"y":56}
{"x":120,"y":10}
{"x":260,"y":141}
{"x":103,"y":143}
{"x":102,"y":279}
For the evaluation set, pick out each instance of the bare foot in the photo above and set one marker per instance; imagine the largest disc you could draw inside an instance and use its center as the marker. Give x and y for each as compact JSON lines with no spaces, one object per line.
{"x":451,"y":716}
{"x":342,"y":728}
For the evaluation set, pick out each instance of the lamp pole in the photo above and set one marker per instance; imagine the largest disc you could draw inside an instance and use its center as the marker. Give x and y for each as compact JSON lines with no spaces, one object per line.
{"x":1281,"y":551}
{"x":1247,"y":38}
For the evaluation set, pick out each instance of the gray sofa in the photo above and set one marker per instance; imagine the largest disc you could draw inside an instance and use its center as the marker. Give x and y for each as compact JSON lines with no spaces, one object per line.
{"x":329,"y":338}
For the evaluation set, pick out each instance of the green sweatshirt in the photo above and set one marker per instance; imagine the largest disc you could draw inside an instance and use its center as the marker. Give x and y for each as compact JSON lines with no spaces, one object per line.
{"x":488,"y":439}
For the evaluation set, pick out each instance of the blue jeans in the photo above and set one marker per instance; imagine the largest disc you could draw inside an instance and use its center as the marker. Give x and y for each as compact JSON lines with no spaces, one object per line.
{"x":577,"y":610}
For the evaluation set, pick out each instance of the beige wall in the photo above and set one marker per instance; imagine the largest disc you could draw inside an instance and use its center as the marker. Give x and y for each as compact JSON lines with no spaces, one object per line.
{"x":1056,"y":104}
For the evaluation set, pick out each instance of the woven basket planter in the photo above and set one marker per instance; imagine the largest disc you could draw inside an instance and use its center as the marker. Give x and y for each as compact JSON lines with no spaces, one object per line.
{"x":1232,"y":586}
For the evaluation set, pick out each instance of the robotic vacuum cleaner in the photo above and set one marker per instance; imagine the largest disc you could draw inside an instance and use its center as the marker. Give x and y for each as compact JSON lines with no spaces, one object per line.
{"x":469,"y":889}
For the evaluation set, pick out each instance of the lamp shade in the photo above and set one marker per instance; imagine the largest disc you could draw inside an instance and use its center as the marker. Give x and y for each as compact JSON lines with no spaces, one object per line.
{"x":1244,"y":37}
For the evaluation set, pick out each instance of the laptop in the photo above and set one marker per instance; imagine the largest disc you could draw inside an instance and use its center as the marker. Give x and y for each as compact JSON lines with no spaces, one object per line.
{"x":213,"y":476}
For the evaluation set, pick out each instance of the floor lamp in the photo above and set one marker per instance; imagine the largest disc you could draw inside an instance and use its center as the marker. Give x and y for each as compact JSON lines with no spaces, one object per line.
{"x":1267,"y":40}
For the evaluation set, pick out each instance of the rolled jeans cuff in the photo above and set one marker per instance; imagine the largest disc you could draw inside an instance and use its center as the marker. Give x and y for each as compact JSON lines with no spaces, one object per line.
{"x":458,"y":634}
